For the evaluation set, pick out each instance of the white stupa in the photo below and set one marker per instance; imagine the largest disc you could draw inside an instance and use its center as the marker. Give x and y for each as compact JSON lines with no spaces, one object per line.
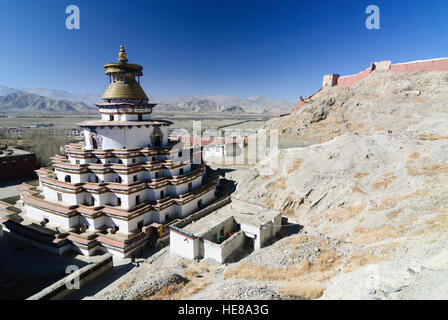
{"x":124,"y":182}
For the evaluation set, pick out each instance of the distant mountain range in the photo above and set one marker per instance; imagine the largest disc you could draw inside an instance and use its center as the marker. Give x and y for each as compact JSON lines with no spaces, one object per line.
{"x":32,"y":103}
{"x":43,"y":100}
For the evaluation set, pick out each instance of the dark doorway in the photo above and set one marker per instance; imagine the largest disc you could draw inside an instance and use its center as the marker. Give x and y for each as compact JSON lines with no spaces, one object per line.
{"x":94,"y":143}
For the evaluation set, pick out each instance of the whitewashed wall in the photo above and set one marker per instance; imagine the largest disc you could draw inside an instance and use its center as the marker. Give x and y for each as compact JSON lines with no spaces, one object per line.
{"x":183,"y":246}
{"x":38,"y":215}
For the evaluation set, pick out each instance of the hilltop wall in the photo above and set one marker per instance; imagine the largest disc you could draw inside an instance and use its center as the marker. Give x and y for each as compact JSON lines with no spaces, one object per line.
{"x":335,"y":80}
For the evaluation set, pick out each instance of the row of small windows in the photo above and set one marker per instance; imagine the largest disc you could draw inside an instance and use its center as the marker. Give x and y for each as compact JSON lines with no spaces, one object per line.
{"x":121,"y":161}
{"x":137,"y":197}
{"x":118,"y":179}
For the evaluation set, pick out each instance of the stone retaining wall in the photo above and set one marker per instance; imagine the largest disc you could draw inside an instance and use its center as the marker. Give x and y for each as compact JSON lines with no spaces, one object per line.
{"x":59,"y":289}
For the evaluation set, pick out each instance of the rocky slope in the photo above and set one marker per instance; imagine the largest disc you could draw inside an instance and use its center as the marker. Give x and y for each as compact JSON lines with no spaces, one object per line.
{"x":374,"y":178}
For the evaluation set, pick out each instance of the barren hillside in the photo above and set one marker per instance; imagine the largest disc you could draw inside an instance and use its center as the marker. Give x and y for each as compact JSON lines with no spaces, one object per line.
{"x":375,"y":178}
{"x":383,"y":101}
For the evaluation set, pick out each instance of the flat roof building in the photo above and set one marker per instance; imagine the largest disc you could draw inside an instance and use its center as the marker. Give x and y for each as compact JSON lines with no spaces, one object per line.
{"x":222,"y":233}
{"x":16,"y":163}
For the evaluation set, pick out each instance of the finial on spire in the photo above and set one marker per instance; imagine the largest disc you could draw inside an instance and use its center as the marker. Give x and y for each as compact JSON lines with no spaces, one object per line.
{"x":122,"y":55}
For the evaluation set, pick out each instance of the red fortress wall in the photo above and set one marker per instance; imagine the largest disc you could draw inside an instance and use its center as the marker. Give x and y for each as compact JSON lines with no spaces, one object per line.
{"x":334,"y":80}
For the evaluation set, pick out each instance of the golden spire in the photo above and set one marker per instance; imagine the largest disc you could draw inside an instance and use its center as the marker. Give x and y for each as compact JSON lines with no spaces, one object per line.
{"x":122,"y":55}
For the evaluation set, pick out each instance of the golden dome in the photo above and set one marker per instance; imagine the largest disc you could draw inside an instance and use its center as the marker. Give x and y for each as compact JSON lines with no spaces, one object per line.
{"x":123,"y":90}
{"x":123,"y":79}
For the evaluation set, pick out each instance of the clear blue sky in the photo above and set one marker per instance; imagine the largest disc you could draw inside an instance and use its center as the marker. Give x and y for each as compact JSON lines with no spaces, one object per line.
{"x":276,"y":48}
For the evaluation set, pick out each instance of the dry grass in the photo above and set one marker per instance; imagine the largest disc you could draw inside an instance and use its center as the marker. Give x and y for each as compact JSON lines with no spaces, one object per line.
{"x":299,"y":239}
{"x":364,"y":235}
{"x":417,"y":193}
{"x":434,"y":225}
{"x":428,"y":170}
{"x":356,"y":188}
{"x":390,"y":203}
{"x":387,"y":179}
{"x":432,"y":137}
{"x":414,"y":157}
{"x":125,"y":285}
{"x":181,"y":290}
{"x":191,"y":273}
{"x":327,"y":261}
{"x":261,"y":273}
{"x":339,"y":215}
{"x":280,"y":183}
{"x":289,"y":206}
{"x":269,"y":202}
{"x":305,"y":289}
{"x":360,"y":175}
{"x":360,"y":260}
{"x":393,"y":214}
{"x":296,"y":165}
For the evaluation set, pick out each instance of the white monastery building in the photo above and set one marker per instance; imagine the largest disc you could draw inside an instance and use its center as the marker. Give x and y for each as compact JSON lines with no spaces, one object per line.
{"x":126,"y":181}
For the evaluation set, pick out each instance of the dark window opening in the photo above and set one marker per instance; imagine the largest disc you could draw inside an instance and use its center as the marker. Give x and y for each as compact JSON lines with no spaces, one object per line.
{"x":190,"y":187}
{"x":111,"y":117}
{"x":181,"y":171}
{"x":157,"y":175}
{"x":140,"y":117}
{"x":137,"y":200}
{"x":162,"y":194}
{"x":68,"y":179}
{"x":135,"y":178}
{"x":200,"y":203}
{"x":140,"y":224}
{"x":118,"y":201}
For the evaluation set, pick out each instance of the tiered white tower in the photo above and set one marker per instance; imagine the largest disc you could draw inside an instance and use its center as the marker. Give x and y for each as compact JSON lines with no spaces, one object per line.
{"x":126,"y":180}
